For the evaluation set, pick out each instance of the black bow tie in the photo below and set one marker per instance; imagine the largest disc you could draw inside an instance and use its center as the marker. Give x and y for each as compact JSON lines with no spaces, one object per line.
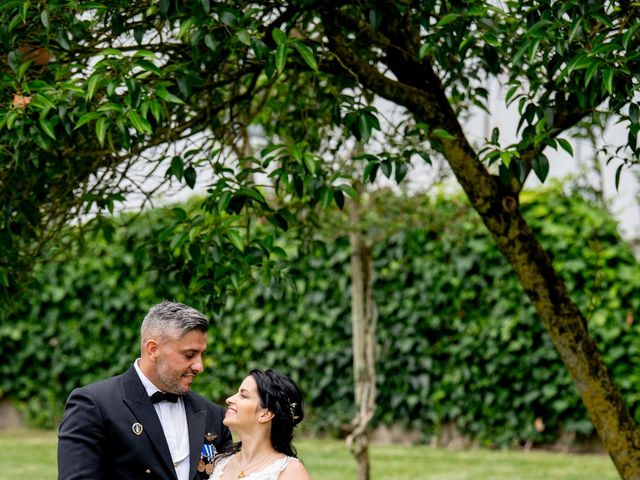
{"x":160,"y":396}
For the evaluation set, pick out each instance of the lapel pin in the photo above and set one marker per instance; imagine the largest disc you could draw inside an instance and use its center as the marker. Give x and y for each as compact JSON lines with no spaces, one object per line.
{"x":137,"y":428}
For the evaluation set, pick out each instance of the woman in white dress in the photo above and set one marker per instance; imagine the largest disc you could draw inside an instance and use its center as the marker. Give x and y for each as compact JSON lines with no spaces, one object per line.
{"x":262,"y":415}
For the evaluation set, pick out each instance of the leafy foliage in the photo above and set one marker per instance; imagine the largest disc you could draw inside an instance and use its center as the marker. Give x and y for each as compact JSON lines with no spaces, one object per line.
{"x":456,"y":341}
{"x":91,"y":89}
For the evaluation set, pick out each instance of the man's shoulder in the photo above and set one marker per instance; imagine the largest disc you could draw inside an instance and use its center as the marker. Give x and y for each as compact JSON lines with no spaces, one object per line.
{"x":103,"y":387}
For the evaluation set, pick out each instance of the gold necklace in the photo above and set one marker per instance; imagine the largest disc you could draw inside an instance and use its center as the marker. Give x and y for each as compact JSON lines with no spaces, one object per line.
{"x":243,"y":471}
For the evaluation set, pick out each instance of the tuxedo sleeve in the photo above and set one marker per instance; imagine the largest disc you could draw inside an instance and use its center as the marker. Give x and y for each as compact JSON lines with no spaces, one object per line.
{"x":81,"y":439}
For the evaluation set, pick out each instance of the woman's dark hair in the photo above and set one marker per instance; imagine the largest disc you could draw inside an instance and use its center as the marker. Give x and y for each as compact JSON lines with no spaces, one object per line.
{"x":280,"y":395}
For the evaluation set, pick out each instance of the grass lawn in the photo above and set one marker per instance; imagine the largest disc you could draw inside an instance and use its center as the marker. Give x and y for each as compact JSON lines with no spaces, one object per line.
{"x":32,"y":454}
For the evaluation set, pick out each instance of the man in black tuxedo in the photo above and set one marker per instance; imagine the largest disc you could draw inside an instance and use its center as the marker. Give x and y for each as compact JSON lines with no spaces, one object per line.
{"x":147,"y":423}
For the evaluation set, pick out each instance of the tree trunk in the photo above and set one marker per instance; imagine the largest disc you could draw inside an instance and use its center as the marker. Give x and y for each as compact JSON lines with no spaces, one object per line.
{"x":363,"y":317}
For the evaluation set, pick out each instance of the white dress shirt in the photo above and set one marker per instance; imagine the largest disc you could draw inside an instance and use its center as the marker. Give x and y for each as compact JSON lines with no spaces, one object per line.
{"x":174,"y":424}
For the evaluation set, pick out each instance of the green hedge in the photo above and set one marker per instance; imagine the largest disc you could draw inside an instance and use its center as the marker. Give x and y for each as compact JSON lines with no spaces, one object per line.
{"x":458,"y":341}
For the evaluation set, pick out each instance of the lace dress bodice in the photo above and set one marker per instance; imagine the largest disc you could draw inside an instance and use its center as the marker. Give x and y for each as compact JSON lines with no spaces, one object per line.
{"x":270,"y":472}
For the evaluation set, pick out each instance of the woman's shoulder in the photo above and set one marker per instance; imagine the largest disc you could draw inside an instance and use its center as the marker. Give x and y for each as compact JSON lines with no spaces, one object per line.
{"x":294,"y":470}
{"x":220,"y":465}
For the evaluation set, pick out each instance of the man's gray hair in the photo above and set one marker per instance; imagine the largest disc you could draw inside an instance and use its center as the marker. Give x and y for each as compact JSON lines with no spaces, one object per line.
{"x":171,"y":320}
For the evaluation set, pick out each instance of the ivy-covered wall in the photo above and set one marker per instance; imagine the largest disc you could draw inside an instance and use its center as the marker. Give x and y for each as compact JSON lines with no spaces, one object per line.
{"x":458,"y":341}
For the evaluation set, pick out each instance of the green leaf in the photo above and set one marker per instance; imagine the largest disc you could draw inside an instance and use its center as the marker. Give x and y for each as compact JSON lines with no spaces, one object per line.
{"x":491,"y":39}
{"x":281,"y":57}
{"x":326,"y":197}
{"x":307,"y":55}
{"x":224,"y":201}
{"x":141,"y":124}
{"x":252,"y":193}
{"x":24,"y":9}
{"x":47,"y":127}
{"x":162,"y":92}
{"x":617,"y":180}
{"x":401,"y":171}
{"x":101,"y":129}
{"x":138,"y":34}
{"x":512,"y":91}
{"x":92,"y":86}
{"x":495,"y":135}
{"x":10,"y":118}
{"x":349,"y":190}
{"x":279,"y":36}
{"x":279,"y":221}
{"x":364,"y":128}
{"x":634,"y":112}
{"x":177,"y":167}
{"x":533,"y":49}
{"x":441,"y":133}
{"x":228,"y":18}
{"x":574,"y":28}
{"x":110,"y":51}
{"x":370,"y":172}
{"x":338,"y":197}
{"x":375,"y":19}
{"x":86,"y":118}
{"x":148,"y":66}
{"x":154,"y":106}
{"x":111,"y":107}
{"x":424,"y":50}
{"x":608,"y":80}
{"x":591,"y":71}
{"x":506,"y":158}
{"x":14,"y":60}
{"x":190,"y":176}
{"x":22,"y":69}
{"x":518,"y":55}
{"x":211,"y":42}
{"x":63,"y":39}
{"x":309,"y":162}
{"x":628,"y":35}
{"x":235,"y":239}
{"x":566,"y":146}
{"x":602,"y":19}
{"x":386,"y":166}
{"x":44,"y":18}
{"x":144,"y":53}
{"x":42,"y":102}
{"x":540,"y":166}
{"x":539,"y":29}
{"x":447,"y":19}
{"x":580,"y":62}
{"x":278,"y":252}
{"x":244,"y":37}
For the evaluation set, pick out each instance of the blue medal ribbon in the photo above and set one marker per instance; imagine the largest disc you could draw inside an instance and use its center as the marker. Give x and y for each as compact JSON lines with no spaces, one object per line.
{"x":208,"y":451}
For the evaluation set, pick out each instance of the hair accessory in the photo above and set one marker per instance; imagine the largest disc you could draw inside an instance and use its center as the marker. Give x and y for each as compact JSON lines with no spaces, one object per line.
{"x":292,"y":409}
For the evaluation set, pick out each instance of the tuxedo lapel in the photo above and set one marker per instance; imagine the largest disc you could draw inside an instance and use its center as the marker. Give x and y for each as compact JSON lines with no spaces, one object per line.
{"x":138,"y":401}
{"x":196,"y":418}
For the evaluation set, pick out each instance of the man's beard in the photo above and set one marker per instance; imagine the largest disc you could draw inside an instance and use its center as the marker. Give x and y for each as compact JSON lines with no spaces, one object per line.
{"x":171,"y":378}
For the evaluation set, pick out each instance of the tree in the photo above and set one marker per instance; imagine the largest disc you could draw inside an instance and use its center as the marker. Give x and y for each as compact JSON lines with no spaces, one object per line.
{"x":90,"y":90}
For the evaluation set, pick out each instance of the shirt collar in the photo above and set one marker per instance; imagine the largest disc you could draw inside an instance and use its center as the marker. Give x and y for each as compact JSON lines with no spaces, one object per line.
{"x":146,"y":383}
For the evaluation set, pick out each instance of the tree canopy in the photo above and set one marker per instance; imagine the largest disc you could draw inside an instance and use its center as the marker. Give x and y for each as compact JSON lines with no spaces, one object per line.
{"x":91,"y":91}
